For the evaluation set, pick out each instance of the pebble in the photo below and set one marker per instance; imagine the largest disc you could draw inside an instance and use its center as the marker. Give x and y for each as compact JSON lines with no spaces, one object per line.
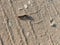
{"x":10,"y":23}
{"x":53,"y":24}
{"x":28,"y":34}
{"x":29,"y":2}
{"x":25,"y":6}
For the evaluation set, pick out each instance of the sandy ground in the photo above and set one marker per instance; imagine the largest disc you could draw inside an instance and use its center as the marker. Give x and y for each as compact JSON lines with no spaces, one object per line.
{"x":18,"y":29}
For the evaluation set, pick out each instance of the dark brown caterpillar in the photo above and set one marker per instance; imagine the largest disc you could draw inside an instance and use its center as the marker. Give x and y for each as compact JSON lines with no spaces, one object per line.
{"x":25,"y":17}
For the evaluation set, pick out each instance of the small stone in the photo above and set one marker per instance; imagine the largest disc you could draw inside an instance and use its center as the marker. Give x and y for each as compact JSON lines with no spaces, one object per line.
{"x":53,"y":24}
{"x":25,"y":6}
{"x":51,"y":20}
{"x":28,"y":34}
{"x":29,"y":2}
{"x":10,"y":23}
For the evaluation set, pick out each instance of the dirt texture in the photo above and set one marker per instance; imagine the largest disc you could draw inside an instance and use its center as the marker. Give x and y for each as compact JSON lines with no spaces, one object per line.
{"x":29,"y":22}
